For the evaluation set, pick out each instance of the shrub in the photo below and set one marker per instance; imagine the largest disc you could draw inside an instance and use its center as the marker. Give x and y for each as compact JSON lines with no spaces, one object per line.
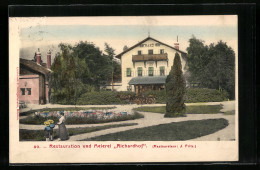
{"x":127,"y":96}
{"x":160,"y":96}
{"x":101,"y":97}
{"x":194,"y":95}
{"x":39,"y":120}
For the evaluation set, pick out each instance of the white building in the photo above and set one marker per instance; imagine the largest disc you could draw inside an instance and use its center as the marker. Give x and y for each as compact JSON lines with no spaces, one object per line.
{"x":145,"y":65}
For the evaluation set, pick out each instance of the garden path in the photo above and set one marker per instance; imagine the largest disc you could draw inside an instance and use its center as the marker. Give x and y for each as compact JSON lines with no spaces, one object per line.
{"x":150,"y":119}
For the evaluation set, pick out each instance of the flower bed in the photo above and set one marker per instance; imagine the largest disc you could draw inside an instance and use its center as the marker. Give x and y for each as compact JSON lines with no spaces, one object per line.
{"x":82,"y":116}
{"x":92,"y":114}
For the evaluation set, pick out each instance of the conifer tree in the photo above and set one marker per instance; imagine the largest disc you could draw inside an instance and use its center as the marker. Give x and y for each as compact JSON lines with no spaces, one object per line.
{"x":175,"y":90}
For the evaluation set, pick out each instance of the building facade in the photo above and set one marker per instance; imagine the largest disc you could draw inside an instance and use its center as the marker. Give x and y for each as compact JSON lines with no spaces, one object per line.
{"x":33,"y":83}
{"x":146,"y":65}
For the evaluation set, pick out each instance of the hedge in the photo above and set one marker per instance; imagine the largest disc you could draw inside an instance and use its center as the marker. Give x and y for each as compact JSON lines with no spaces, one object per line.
{"x":99,"y":98}
{"x":193,"y":95}
{"x":160,"y":96}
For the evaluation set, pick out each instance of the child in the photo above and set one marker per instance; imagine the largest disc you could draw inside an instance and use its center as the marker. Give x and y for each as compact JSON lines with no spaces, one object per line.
{"x":49,"y":129}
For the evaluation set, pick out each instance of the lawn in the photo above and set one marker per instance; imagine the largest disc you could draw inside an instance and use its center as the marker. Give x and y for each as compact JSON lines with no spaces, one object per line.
{"x":176,"y":131}
{"x":230,"y":112}
{"x":198,"y":109}
{"x":38,"y":135}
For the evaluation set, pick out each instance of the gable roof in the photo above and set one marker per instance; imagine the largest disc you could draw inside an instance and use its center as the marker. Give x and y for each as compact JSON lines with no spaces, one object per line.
{"x":34,"y":66}
{"x":148,"y":38}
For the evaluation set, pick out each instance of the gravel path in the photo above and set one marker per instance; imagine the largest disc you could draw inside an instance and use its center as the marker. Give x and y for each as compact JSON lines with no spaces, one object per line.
{"x":150,"y":119}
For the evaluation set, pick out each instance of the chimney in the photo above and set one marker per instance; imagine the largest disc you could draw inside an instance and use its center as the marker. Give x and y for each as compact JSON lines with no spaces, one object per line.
{"x":49,"y":60}
{"x":38,"y":57}
{"x":176,"y":45}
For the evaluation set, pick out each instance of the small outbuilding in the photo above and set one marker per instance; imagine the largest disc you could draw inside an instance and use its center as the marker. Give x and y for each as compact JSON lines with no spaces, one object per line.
{"x":33,"y":80}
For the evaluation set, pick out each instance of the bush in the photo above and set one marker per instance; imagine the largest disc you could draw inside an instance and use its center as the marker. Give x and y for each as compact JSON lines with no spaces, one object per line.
{"x":99,"y":98}
{"x":160,"y":96}
{"x":194,"y":95}
{"x":35,"y":119}
{"x":125,"y":93}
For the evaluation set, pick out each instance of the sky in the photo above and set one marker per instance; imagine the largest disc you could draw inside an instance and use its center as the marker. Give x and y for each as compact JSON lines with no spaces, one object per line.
{"x":48,"y":32}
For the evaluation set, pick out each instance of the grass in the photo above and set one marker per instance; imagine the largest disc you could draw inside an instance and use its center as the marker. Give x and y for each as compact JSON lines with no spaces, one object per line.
{"x":176,"y":131}
{"x":231,"y":112}
{"x":38,"y":135}
{"x":199,"y":109}
{"x":38,"y":120}
{"x":65,"y":109}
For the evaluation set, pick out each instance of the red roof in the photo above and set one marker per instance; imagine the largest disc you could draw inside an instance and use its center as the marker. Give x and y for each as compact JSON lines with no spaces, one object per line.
{"x":34,"y":66}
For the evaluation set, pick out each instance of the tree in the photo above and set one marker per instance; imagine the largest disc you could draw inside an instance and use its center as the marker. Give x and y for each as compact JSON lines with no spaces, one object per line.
{"x":65,"y":79}
{"x":175,"y":90}
{"x":197,"y":59}
{"x":79,"y":69}
{"x":115,"y":66}
{"x":98,"y":64}
{"x":220,"y":70}
{"x":212,"y":66}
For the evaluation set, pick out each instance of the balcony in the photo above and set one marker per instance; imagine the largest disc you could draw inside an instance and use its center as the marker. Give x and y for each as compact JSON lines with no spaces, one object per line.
{"x":150,"y":57}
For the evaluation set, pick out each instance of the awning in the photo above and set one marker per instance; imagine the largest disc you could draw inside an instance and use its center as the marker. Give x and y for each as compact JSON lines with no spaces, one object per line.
{"x":148,"y":80}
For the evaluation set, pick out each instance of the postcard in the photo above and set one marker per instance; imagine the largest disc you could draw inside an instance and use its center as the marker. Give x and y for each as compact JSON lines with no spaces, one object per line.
{"x":123,"y":89}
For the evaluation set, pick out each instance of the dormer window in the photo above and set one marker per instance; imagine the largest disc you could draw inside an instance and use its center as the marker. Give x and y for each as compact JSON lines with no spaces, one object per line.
{"x":150,"y":52}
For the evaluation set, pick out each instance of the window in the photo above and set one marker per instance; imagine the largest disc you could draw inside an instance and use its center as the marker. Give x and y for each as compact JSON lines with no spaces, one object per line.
{"x":29,"y":91}
{"x":139,"y":52}
{"x":162,"y":71}
{"x":128,"y":72}
{"x":150,"y":71}
{"x":140,"y":71}
{"x":150,"y":52}
{"x":129,"y":88}
{"x":23,"y":91}
{"x":161,"y":51}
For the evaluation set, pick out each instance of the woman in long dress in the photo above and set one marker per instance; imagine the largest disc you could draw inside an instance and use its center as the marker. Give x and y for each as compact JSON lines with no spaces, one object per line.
{"x":63,"y":134}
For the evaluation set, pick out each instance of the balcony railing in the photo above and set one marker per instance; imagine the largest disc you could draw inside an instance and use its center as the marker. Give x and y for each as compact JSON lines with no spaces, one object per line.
{"x":150,"y":57}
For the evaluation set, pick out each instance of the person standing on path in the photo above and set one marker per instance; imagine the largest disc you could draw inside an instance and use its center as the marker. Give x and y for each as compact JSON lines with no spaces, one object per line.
{"x":63,"y":134}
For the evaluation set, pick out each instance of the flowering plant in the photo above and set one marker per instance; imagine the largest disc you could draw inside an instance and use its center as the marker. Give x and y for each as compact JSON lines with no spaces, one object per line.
{"x":91,"y":114}
{"x":49,"y":123}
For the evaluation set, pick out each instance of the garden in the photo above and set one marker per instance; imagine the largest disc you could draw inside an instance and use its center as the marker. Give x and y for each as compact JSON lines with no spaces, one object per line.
{"x":80,"y":116}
